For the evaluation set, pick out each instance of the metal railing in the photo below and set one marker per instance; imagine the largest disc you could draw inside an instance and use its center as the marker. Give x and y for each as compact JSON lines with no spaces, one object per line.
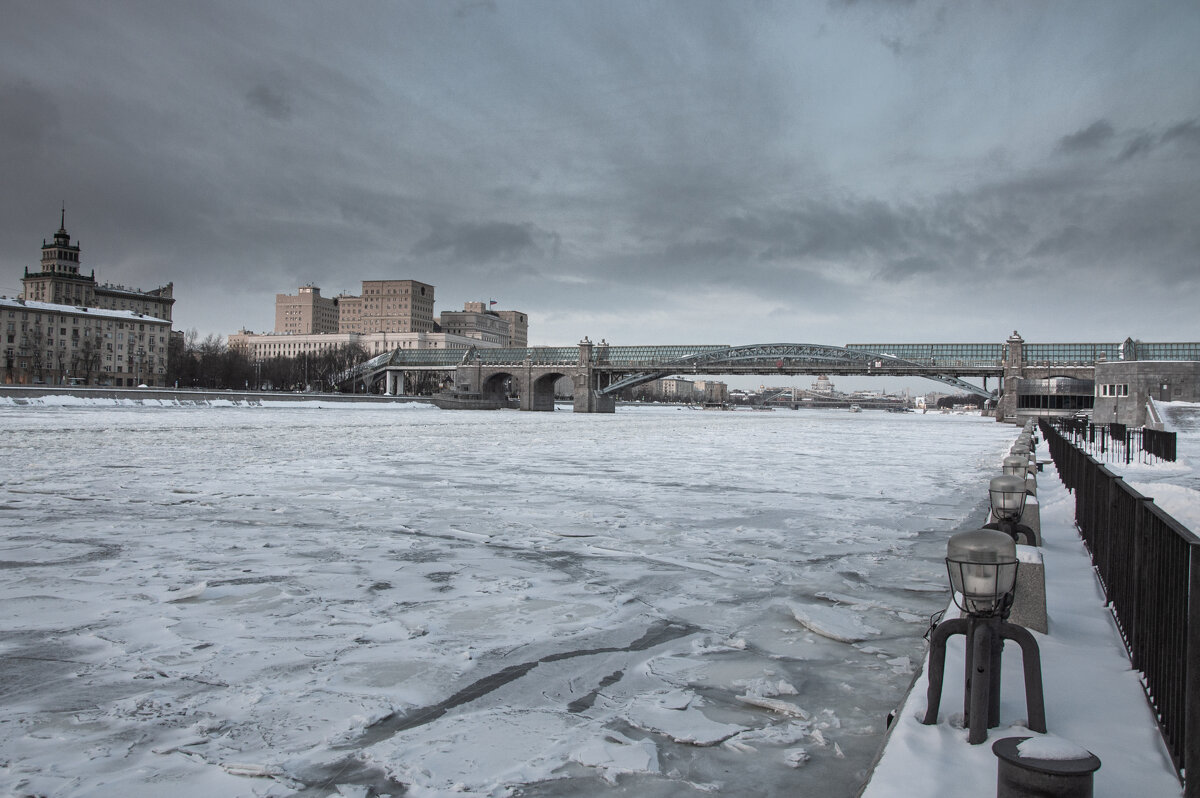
{"x":1149,"y":566}
{"x":1117,"y":443}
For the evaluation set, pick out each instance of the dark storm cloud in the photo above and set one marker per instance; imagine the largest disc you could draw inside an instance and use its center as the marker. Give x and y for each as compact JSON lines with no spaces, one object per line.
{"x":30,"y":117}
{"x":1141,"y":144}
{"x":856,"y":164}
{"x":475,"y":242}
{"x":1091,"y":137}
{"x":270,"y":101}
{"x":1186,"y":134}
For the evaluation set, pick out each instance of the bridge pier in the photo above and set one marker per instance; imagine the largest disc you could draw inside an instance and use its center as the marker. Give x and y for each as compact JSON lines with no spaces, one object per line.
{"x":1014,"y":370}
{"x":395,"y":383}
{"x":587,"y":384}
{"x":588,"y":400}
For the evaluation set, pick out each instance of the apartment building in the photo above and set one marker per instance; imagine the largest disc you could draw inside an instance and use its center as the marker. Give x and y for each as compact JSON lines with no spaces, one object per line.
{"x":46,"y":343}
{"x":66,"y":328}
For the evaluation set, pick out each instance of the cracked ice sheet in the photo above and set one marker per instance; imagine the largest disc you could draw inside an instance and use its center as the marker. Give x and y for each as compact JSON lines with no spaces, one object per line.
{"x":235,"y":600}
{"x":494,"y":751}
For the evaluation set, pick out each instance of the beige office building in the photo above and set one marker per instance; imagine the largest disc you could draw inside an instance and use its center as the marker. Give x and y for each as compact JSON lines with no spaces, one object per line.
{"x":518,"y":327}
{"x":387,"y":306}
{"x":475,"y":321}
{"x":507,"y":328}
{"x":264,"y":346}
{"x":305,"y":312}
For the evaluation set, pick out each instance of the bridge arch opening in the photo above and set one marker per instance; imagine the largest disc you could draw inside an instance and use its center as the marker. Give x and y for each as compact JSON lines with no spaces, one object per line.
{"x":501,"y":385}
{"x":541,"y":392}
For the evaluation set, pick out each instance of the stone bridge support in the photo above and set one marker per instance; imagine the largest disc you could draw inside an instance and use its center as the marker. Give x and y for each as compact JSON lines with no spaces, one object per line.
{"x":587,"y":384}
{"x":1014,"y":370}
{"x":395,"y":383}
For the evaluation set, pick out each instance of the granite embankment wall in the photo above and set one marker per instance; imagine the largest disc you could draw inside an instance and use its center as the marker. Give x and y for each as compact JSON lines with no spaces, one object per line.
{"x":183,"y":396}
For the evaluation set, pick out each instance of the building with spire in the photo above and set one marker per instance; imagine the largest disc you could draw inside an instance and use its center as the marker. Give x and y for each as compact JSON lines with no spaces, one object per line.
{"x":65,"y":328}
{"x":60,"y":280}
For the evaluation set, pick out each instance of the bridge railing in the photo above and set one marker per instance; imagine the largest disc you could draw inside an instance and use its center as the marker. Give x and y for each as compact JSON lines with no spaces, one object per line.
{"x":1149,"y":567}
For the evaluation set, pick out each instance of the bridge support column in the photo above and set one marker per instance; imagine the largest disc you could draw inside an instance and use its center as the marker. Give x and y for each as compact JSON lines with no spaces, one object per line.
{"x":1014,"y":372}
{"x":589,"y":400}
{"x":395,"y":383}
{"x":529,"y":397}
{"x":587,"y":388}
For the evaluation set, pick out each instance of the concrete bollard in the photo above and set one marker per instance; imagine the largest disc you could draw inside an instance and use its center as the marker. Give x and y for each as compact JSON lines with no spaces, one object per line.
{"x":1019,"y":775}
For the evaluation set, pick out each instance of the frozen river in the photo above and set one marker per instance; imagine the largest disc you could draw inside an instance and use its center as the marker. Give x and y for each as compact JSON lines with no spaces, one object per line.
{"x":289,"y":600}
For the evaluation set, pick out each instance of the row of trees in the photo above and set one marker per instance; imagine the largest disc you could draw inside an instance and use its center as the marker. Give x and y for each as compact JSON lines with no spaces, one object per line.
{"x":210,"y":363}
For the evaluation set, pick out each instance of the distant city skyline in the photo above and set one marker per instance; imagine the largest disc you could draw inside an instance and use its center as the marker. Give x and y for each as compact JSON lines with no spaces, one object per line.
{"x":682,"y":172}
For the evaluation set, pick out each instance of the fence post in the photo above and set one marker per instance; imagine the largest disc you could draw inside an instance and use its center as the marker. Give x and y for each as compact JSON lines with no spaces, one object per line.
{"x":1191,"y":687}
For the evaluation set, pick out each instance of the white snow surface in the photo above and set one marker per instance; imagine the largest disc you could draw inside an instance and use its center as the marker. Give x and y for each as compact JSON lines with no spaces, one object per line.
{"x":355,"y":599}
{"x":1051,"y":747}
{"x":1175,"y":487}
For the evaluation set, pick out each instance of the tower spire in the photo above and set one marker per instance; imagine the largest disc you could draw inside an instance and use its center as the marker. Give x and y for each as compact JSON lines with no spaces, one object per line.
{"x":62,"y":225}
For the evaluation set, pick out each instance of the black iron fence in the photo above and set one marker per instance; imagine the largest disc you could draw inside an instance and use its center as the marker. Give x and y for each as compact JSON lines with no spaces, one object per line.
{"x":1159,"y":444}
{"x":1149,"y":566}
{"x":1117,"y":443}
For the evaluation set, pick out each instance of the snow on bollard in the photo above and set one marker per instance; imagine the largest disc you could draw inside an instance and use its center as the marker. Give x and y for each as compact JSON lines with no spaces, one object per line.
{"x":1043,"y":767}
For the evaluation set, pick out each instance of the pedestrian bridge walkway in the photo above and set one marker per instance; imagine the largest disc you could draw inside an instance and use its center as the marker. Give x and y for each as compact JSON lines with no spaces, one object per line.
{"x":600,"y":371}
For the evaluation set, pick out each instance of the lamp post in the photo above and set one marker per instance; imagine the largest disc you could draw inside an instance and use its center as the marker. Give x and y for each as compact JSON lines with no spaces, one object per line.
{"x":982,"y":566}
{"x":1006,"y":496}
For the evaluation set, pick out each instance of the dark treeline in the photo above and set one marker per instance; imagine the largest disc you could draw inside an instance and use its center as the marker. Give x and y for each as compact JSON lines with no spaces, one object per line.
{"x":960,"y":400}
{"x":210,"y":363}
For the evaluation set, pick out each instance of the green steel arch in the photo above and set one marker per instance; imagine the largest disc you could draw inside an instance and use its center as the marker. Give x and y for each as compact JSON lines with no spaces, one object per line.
{"x":793,"y":358}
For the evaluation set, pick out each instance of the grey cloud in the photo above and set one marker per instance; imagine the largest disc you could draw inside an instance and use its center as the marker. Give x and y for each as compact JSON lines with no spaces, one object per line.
{"x":270,"y":102}
{"x":1185,"y":133}
{"x":30,"y":117}
{"x":1141,"y":144}
{"x":1091,"y":137}
{"x":469,"y":7}
{"x":895,"y":44}
{"x":484,"y":241}
{"x":905,"y":268}
{"x":628,"y":159}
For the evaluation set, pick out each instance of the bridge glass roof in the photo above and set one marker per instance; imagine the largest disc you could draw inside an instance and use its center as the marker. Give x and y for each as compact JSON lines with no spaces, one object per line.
{"x":989,"y":356}
{"x":426,"y":357}
{"x":1179,"y":351}
{"x":638,"y":355}
{"x":981,"y":355}
{"x":1083,"y":354}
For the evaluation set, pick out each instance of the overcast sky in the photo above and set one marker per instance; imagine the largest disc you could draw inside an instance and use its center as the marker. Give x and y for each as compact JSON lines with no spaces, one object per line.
{"x":645,"y":172}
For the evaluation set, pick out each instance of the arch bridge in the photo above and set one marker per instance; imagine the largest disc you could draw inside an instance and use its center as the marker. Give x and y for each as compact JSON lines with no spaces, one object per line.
{"x":599,"y":371}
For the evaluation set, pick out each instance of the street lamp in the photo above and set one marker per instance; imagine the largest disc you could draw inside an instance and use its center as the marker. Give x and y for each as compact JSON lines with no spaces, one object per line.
{"x":982,"y":565}
{"x":1006,"y":496}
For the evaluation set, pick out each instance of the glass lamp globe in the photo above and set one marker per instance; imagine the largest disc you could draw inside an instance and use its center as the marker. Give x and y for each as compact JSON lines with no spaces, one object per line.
{"x":1016,"y":466}
{"x":983,"y":570}
{"x":1007,"y":497}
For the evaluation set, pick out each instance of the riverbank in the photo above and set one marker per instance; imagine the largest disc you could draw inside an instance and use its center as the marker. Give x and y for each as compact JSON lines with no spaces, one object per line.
{"x":1093,"y":696}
